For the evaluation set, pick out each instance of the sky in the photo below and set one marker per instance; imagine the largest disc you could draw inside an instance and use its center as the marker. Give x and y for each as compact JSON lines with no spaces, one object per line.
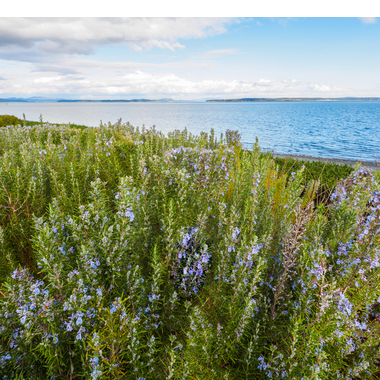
{"x":189,"y":58}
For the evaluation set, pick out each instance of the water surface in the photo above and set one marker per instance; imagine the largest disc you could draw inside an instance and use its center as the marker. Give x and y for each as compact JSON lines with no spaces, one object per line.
{"x":348,"y":130}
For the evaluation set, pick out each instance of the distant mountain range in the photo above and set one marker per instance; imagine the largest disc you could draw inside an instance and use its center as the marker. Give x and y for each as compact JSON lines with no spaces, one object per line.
{"x":295,"y":99}
{"x":165,"y":100}
{"x":39,"y":99}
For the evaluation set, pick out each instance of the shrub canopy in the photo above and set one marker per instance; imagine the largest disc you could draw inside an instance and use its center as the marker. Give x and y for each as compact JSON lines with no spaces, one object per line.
{"x":129,"y":254}
{"x":8,"y":120}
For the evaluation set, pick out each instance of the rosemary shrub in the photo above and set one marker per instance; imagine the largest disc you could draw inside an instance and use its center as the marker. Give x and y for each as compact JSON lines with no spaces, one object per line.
{"x":127,"y":254}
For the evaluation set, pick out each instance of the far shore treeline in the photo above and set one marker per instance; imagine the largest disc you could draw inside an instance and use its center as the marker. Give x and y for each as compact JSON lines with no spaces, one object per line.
{"x":346,"y":99}
{"x":128,"y":254}
{"x":169,"y":100}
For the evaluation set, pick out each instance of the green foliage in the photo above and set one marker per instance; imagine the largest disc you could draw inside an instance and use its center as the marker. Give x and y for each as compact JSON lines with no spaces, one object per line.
{"x":327,"y":174}
{"x":8,"y":120}
{"x":29,"y":123}
{"x":128,"y":254}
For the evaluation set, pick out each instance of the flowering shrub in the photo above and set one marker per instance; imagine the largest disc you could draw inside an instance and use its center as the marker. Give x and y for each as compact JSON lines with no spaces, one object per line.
{"x":192,"y":262}
{"x":128,"y":254}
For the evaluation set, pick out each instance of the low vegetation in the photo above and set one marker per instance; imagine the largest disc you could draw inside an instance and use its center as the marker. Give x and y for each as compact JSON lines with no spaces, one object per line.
{"x":6,"y":120}
{"x":327,"y":174}
{"x":127,"y":254}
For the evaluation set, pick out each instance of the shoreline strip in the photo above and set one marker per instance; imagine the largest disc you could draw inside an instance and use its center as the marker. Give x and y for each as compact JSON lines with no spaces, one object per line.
{"x":373,"y":165}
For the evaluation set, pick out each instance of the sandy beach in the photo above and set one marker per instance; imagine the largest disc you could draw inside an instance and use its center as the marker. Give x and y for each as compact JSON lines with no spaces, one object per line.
{"x":373,"y":165}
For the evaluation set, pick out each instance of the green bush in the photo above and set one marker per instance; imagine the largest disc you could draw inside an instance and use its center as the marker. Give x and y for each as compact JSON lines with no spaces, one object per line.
{"x":6,"y":120}
{"x":126,"y":254}
{"x":327,"y":174}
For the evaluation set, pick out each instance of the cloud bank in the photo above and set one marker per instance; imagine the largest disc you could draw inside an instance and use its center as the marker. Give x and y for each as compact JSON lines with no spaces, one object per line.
{"x":83,"y":35}
{"x":157,"y":85}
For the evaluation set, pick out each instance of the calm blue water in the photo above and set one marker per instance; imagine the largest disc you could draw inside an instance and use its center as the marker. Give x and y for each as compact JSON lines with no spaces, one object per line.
{"x":325,"y":129}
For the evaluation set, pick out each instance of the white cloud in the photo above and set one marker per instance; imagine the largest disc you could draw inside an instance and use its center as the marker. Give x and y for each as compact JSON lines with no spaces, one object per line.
{"x":265,"y":82}
{"x":142,"y":82}
{"x":83,"y":35}
{"x":68,"y":65}
{"x":323,"y":88}
{"x":155,"y":85}
{"x":47,"y":79}
{"x":368,"y":20}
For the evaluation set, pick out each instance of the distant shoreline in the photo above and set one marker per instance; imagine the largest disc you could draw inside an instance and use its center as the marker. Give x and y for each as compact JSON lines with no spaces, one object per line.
{"x":346,"y":99}
{"x":169,"y":100}
{"x":373,"y":165}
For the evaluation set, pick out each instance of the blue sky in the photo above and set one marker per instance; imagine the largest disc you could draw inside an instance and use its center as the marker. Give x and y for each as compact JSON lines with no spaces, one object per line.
{"x":189,"y":58}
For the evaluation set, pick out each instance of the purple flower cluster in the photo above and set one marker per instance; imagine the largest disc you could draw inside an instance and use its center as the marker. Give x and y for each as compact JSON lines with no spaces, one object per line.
{"x":344,"y":305}
{"x":203,"y":166}
{"x":192,"y":262}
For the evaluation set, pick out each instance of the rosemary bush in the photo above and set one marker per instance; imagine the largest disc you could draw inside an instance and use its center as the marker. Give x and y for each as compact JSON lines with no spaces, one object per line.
{"x":126,"y":254}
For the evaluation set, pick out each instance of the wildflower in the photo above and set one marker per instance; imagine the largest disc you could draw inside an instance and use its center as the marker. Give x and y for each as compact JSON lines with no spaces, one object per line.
{"x":94,"y":360}
{"x":79,"y":319}
{"x":235,"y":233}
{"x":262,"y":364}
{"x":79,"y":334}
{"x":344,"y":305}
{"x":68,"y":326}
{"x":374,"y":263}
{"x":6,"y":357}
{"x":318,"y":271}
{"x":360,"y":325}
{"x":129,"y":214}
{"x":113,"y":308}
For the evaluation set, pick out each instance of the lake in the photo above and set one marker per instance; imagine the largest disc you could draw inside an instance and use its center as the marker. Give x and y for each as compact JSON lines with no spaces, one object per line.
{"x":348,"y":130}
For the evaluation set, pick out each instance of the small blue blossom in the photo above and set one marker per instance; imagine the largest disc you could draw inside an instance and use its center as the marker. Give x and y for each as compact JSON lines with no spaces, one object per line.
{"x":113,"y":308}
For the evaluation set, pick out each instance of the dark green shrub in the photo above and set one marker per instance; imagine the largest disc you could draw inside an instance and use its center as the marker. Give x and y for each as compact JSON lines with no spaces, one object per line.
{"x":9,"y":120}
